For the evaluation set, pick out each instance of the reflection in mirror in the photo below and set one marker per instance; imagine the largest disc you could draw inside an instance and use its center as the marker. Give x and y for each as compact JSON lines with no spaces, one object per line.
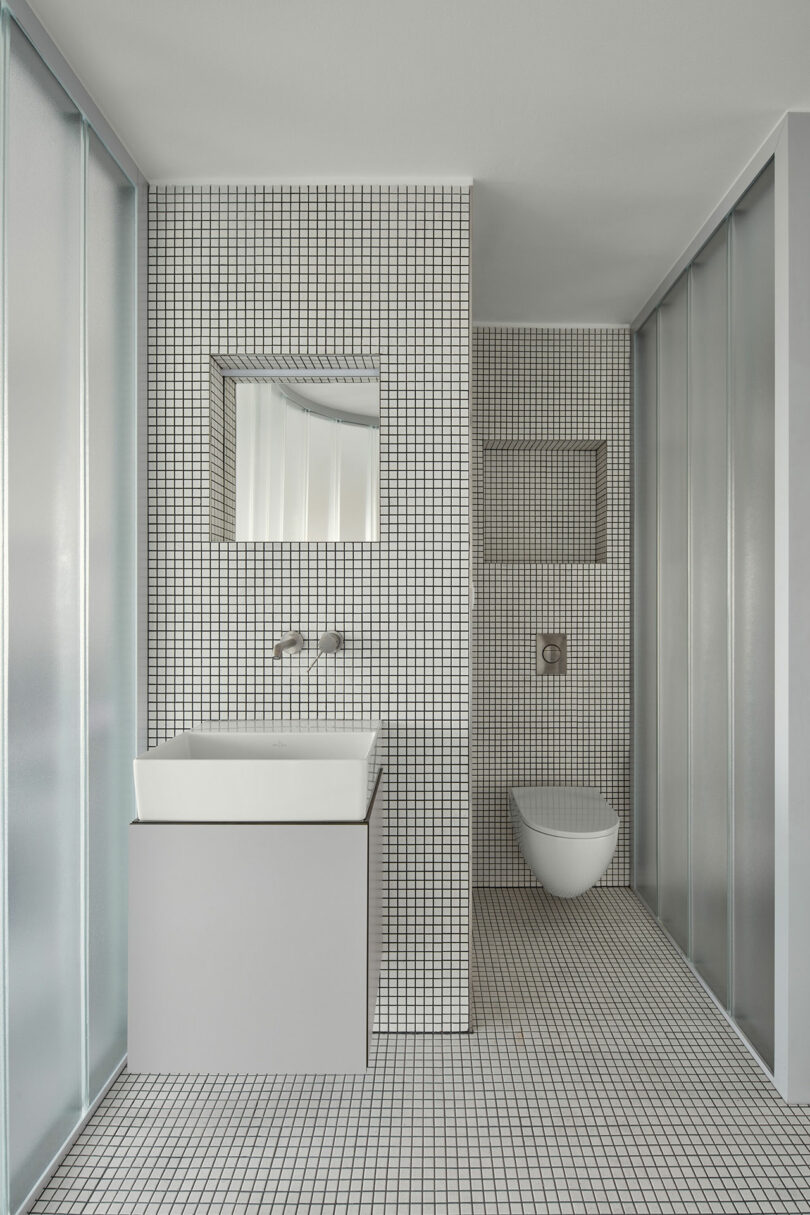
{"x":307,"y":460}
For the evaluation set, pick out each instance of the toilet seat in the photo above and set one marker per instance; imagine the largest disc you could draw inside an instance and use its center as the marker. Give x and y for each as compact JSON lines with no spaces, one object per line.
{"x":568,"y":811}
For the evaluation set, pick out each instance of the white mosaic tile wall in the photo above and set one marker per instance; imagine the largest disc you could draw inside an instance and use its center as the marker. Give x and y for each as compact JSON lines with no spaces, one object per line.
{"x":560,"y":393}
{"x":329,"y":272}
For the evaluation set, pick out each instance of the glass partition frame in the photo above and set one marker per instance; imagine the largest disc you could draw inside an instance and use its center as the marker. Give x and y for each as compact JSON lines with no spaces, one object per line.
{"x":111,"y":545}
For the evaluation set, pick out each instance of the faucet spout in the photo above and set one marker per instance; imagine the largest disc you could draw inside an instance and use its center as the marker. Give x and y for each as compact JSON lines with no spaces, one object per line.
{"x":290,"y":643}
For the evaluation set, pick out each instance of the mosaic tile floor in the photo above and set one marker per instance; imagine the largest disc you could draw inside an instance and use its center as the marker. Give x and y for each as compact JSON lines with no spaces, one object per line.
{"x":599,"y":1078}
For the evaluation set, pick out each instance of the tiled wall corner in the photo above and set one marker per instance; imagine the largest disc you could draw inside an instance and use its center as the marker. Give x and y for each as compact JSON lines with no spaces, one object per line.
{"x":558,"y":389}
{"x":329,"y":271}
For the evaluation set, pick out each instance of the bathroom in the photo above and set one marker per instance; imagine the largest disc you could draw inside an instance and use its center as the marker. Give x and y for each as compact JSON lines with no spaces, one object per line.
{"x":533,"y":607}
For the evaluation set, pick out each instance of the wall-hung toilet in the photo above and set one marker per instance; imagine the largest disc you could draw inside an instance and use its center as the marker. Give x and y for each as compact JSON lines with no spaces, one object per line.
{"x":567,"y":835}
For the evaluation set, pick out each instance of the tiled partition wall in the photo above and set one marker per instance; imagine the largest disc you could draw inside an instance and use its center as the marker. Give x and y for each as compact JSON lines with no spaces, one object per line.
{"x":338,"y":272}
{"x":552,"y":398}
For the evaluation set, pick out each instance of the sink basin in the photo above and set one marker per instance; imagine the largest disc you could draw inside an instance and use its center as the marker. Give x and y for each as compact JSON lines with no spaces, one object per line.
{"x":264,"y":771}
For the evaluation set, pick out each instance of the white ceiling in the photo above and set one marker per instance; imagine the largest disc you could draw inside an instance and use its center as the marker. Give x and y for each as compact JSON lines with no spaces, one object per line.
{"x":599,"y":133}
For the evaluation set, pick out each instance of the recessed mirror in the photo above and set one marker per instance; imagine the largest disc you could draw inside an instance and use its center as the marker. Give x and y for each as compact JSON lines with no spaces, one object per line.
{"x":301,"y":455}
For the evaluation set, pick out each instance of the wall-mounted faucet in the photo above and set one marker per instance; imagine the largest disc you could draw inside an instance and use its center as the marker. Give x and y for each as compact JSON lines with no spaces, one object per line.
{"x":290,"y":643}
{"x":329,"y":643}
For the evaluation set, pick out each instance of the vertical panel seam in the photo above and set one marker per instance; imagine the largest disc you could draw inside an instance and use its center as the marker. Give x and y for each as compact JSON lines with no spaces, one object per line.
{"x":689,"y":614}
{"x":657,"y":612}
{"x":5,"y":1194}
{"x":730,"y":568}
{"x":83,"y":626}
{"x":633,"y":572}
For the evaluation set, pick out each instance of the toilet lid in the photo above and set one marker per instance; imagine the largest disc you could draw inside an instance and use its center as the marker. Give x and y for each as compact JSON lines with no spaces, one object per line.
{"x":566,"y":810}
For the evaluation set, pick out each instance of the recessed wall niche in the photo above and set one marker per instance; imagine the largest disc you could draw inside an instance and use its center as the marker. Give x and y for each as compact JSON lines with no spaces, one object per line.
{"x":545,"y":501}
{"x":226,"y":371}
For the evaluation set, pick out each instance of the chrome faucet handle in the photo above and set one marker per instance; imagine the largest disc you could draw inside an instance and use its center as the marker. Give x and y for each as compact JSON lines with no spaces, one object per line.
{"x":328,"y":643}
{"x":290,"y":643}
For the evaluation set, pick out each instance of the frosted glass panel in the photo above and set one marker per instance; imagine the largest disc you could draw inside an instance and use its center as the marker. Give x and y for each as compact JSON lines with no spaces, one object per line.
{"x":43,"y":217}
{"x":713,"y":336}
{"x":111,"y":537}
{"x":645,"y":604}
{"x":673,"y":792}
{"x":708,"y":648}
{"x":752,"y":355}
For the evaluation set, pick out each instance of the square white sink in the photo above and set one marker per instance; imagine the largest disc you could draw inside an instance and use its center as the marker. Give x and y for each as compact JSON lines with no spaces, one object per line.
{"x":263,"y":771}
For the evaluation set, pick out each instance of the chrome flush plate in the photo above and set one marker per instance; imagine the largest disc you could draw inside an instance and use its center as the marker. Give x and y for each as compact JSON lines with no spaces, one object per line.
{"x":552,"y":654}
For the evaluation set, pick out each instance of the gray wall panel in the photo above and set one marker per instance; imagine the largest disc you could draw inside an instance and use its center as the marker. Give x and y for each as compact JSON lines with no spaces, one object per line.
{"x":715,"y":635}
{"x":709,"y":632}
{"x":645,"y":616}
{"x":673,"y":773}
{"x":752,"y":414}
